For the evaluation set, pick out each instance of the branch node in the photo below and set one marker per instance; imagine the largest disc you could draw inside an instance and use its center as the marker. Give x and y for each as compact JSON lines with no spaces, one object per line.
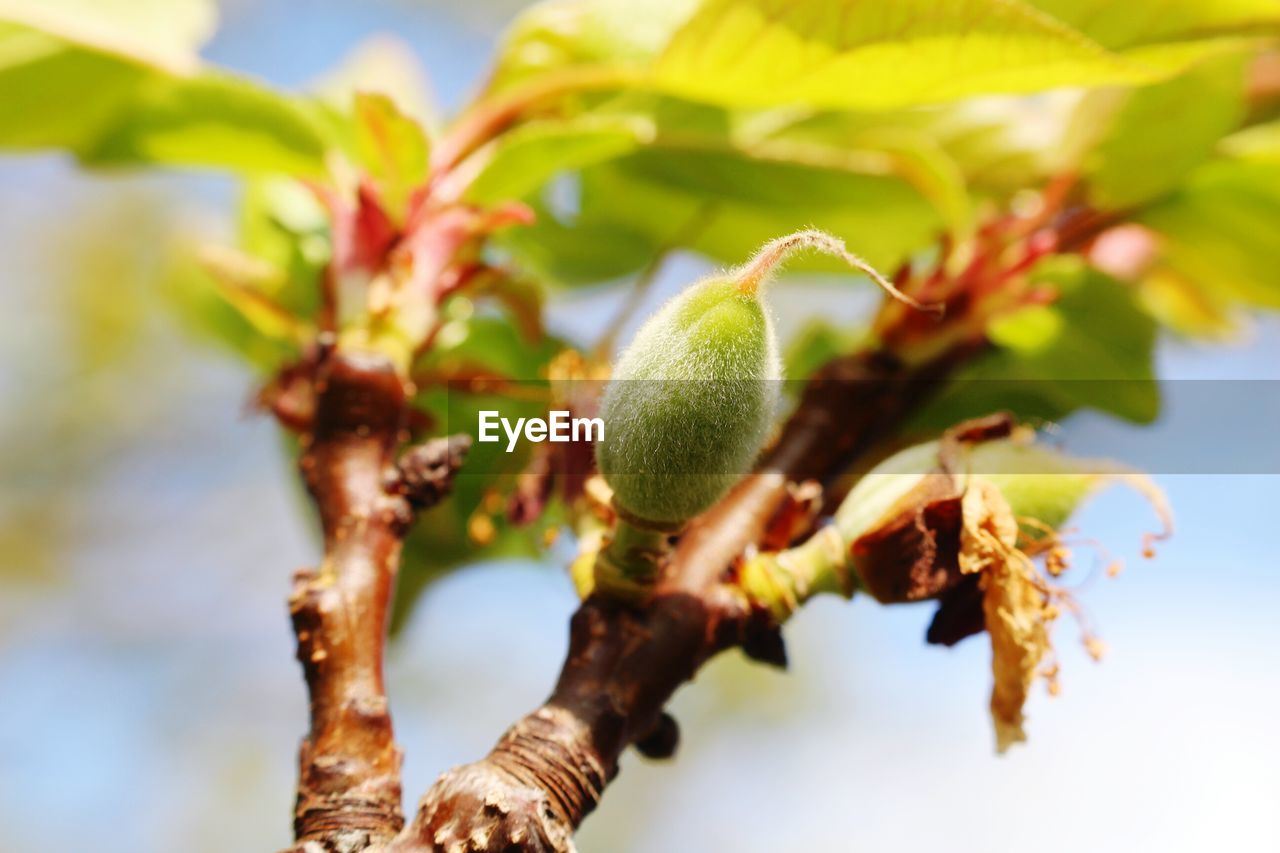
{"x":424,"y":474}
{"x":762,"y":640}
{"x":662,"y":740}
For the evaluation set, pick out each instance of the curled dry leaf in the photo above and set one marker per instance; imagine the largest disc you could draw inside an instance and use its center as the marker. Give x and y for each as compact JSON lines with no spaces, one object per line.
{"x":967,"y":533}
{"x":1016,"y":606}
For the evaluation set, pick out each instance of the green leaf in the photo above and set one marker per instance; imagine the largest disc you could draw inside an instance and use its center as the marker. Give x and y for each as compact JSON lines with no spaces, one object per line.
{"x":130,"y":111}
{"x":560,"y":34}
{"x":1213,"y":250}
{"x":475,"y":340}
{"x":1120,"y":26}
{"x":215,"y":121}
{"x":904,"y":152}
{"x":674,"y":174}
{"x":1219,"y":231}
{"x":247,"y":284}
{"x":1090,"y":349}
{"x":813,"y":346}
{"x":522,"y":297}
{"x":628,"y":210}
{"x":648,"y":165}
{"x":1186,"y":306}
{"x":40,"y":75}
{"x":392,"y":147}
{"x":1095,"y":344}
{"x":577,"y":250}
{"x":258,"y":301}
{"x":231,"y":319}
{"x":1148,"y":139}
{"x":529,"y":156}
{"x":283,"y":223}
{"x":160,"y":33}
{"x":1038,"y":481}
{"x":752,"y":201}
{"x":993,"y":146}
{"x":1260,"y":142}
{"x":853,"y":55}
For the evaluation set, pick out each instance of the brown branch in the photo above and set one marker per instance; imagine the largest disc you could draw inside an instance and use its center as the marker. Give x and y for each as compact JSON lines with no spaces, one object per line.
{"x":624,"y":663}
{"x":349,"y":764}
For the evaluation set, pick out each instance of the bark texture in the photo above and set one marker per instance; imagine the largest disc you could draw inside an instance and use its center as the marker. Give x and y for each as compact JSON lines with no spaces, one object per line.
{"x":349,"y":764}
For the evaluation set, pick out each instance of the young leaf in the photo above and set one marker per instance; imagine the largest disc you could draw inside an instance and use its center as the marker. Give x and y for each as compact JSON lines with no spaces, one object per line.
{"x":1093,"y":348}
{"x":579,"y":249}
{"x":246,"y":284}
{"x":563,"y":34}
{"x":843,"y":54}
{"x":1219,"y":230}
{"x":1148,"y":139}
{"x":131,"y":109}
{"x":213,"y":120}
{"x":164,"y":34}
{"x":283,"y":223}
{"x":232,"y":317}
{"x":392,"y":148}
{"x":814,"y":345}
{"x":1161,"y":24}
{"x":996,"y":145}
{"x":747,"y":202}
{"x":671,"y":158}
{"x":40,"y":74}
{"x":525,"y":159}
{"x":1260,"y":142}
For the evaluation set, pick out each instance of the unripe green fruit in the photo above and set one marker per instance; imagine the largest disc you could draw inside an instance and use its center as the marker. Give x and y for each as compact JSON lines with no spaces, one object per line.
{"x":690,"y":402}
{"x":692,"y":397}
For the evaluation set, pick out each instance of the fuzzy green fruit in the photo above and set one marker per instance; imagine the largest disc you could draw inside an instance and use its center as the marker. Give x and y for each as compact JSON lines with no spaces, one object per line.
{"x":690,"y":402}
{"x":693,"y":396}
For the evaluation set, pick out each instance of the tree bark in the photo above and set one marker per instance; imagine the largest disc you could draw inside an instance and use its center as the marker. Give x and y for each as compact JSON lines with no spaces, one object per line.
{"x":349,"y":795}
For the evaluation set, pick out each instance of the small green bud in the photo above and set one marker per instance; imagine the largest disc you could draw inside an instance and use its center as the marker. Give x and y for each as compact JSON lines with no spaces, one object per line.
{"x":693,"y":396}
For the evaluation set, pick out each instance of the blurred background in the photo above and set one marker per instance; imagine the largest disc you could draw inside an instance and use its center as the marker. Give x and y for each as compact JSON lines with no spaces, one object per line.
{"x":149,"y":699}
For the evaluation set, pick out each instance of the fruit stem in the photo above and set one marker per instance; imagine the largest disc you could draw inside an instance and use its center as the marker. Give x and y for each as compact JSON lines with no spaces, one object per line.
{"x":781,"y":581}
{"x":627,"y":566}
{"x":757,"y":271}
